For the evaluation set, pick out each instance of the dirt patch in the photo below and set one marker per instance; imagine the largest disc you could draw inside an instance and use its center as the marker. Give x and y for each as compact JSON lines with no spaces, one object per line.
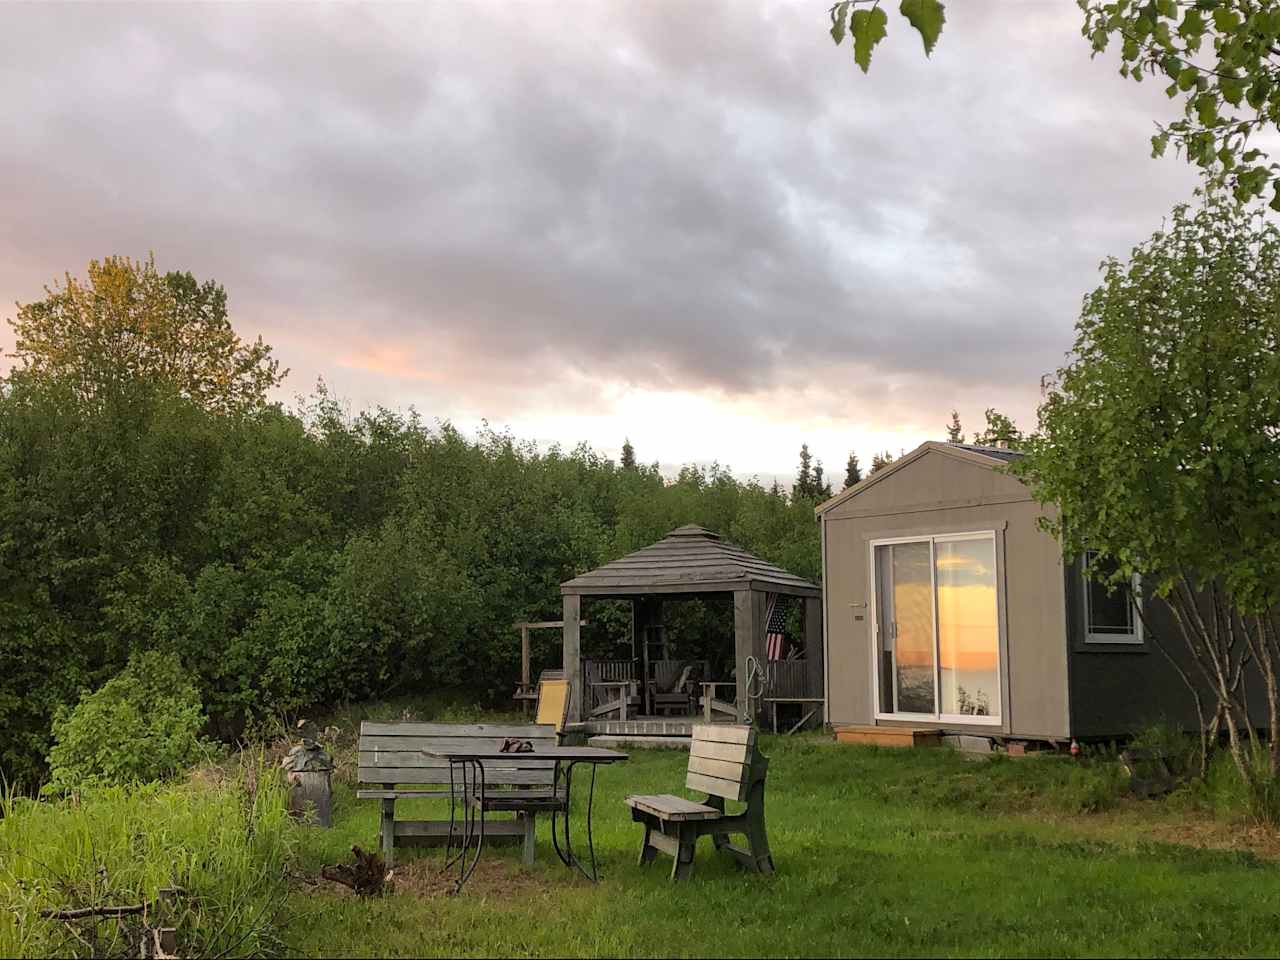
{"x":495,"y":877}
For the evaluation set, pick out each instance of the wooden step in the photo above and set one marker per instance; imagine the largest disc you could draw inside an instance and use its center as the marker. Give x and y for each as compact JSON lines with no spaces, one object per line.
{"x":889,"y":736}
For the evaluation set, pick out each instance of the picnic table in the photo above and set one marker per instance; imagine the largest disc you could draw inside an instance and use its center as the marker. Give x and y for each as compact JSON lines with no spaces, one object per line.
{"x":468,"y":764}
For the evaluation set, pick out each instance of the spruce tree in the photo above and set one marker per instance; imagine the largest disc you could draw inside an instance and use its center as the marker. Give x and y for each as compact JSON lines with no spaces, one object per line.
{"x":628,"y":455}
{"x":852,"y":471}
{"x":804,"y":479}
{"x":954,"y":432}
{"x":880,"y":461}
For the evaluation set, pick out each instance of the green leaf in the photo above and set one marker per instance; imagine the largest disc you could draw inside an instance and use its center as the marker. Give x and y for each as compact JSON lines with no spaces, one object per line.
{"x":1187,"y":78}
{"x":927,"y":16}
{"x":839,"y":14}
{"x":1226,"y":21}
{"x":1207,"y":109}
{"x":1232,"y":90}
{"x":1158,"y":144}
{"x":868,"y":28}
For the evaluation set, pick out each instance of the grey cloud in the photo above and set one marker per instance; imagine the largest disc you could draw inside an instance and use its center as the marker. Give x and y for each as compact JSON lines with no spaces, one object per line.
{"x":669,"y":194}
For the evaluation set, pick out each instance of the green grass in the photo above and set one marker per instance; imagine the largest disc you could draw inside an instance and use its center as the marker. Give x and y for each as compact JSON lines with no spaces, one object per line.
{"x":878,"y":852}
{"x":226,"y":844}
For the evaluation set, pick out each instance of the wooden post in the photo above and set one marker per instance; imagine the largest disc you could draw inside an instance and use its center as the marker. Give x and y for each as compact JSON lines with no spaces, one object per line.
{"x":814,"y":667}
{"x":573,"y":654}
{"x":744,"y":631}
{"x":524,"y":656}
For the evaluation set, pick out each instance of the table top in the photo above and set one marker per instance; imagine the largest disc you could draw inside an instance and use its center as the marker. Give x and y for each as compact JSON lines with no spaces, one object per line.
{"x":584,"y":754}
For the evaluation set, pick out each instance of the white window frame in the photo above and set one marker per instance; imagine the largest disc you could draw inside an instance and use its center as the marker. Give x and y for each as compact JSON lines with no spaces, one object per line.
{"x":874,"y":594}
{"x":1132,"y":639}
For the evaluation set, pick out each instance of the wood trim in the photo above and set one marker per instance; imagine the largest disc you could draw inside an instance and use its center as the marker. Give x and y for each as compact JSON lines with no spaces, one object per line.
{"x":715,"y":786}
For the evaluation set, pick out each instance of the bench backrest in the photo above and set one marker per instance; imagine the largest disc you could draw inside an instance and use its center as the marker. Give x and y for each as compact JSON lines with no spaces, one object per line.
{"x":723,"y":760}
{"x":392,"y":753}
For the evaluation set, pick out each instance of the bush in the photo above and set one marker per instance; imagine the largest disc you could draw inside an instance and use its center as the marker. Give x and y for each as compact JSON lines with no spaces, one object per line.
{"x":140,"y":726}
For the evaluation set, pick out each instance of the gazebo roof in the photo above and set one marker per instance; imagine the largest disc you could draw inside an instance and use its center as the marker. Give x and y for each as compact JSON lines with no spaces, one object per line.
{"x":689,"y":559}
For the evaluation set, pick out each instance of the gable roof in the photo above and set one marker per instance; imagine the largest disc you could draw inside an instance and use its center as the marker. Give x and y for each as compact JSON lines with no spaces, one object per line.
{"x":690,"y":559}
{"x":989,"y":457}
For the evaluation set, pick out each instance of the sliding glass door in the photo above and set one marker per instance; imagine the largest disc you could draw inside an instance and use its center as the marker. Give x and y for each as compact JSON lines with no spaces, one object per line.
{"x":937,"y":628}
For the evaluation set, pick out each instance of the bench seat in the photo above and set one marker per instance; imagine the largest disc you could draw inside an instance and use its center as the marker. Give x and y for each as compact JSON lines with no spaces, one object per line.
{"x":667,"y":807}
{"x":519,"y":800}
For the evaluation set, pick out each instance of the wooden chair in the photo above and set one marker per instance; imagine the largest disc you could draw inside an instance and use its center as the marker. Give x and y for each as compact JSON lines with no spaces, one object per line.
{"x":553,"y":700}
{"x":391,"y":756}
{"x":725,"y":764}
{"x":679,"y":697}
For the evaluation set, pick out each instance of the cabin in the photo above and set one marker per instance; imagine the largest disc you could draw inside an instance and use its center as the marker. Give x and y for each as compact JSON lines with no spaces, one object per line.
{"x":946,"y":607}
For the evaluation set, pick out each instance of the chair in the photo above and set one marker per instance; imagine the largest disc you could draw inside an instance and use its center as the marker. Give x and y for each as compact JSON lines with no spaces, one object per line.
{"x":724,"y":764}
{"x":553,"y":700}
{"x":680,"y":698}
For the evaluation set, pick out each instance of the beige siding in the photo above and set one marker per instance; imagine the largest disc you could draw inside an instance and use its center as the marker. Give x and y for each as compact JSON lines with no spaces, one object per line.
{"x":935,"y":494}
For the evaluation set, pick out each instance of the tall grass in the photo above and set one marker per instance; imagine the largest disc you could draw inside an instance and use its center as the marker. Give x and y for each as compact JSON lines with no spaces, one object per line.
{"x":225,"y":841}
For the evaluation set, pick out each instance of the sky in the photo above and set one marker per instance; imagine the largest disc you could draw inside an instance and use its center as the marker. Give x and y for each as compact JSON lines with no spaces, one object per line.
{"x":696,"y":225}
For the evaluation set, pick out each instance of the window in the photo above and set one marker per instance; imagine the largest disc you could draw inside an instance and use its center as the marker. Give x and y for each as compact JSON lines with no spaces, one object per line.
{"x":937,"y":628}
{"x":1110,"y":613}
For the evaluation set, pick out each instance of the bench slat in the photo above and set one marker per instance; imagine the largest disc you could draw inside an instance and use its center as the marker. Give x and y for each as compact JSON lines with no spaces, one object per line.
{"x":722,"y":769}
{"x":525,"y":731}
{"x":723,"y":733}
{"x":732,"y":752}
{"x":669,"y":807}
{"x":729,"y":789}
{"x":443,"y":743}
{"x":418,"y":759}
{"x":440,"y":775}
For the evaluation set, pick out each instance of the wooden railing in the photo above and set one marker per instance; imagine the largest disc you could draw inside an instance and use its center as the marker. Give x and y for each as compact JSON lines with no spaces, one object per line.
{"x":790,"y":679}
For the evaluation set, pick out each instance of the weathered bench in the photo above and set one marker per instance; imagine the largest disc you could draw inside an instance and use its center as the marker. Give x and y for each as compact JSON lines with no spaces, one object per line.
{"x":725,"y":764}
{"x":391,"y":756}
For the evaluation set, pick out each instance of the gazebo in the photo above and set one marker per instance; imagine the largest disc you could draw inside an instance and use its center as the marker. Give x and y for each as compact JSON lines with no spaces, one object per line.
{"x":694,"y":561}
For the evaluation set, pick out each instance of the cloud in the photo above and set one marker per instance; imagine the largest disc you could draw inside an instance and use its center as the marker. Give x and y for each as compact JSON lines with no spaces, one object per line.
{"x":497,"y":210}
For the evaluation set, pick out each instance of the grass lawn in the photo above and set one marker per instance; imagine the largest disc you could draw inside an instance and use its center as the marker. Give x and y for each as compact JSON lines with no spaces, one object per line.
{"x":879,"y":852}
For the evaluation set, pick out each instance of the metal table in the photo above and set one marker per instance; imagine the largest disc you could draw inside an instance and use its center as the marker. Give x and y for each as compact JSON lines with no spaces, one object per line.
{"x":471,"y":760}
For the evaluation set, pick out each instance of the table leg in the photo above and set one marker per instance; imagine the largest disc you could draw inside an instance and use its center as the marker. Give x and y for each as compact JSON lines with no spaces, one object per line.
{"x":465,"y":871}
{"x":571,"y":858}
{"x":453,"y":799}
{"x":555,"y":837}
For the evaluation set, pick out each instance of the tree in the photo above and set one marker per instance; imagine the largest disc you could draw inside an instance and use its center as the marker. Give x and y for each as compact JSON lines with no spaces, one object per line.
{"x":628,"y":455}
{"x":852,"y":471}
{"x":1221,"y":58}
{"x":1000,"y":431}
{"x":804,"y":479}
{"x":881,"y":460}
{"x":955,"y":434}
{"x":1158,"y":444}
{"x":821,"y":489}
{"x":1222,"y":61}
{"x":128,"y":324}
{"x":866,"y":24}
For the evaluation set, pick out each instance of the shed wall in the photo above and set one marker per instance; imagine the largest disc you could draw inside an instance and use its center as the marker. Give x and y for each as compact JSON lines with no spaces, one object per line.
{"x":935,"y":494}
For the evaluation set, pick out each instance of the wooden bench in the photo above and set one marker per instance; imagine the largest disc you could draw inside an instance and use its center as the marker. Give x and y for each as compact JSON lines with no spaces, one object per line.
{"x":391,"y":756}
{"x":724,"y":764}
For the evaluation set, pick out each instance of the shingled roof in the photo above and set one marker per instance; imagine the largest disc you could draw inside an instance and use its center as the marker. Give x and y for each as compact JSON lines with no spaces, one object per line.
{"x":689,"y":559}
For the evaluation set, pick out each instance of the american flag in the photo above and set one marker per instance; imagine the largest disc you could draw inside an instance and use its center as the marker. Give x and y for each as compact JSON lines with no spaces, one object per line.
{"x":775,"y":640}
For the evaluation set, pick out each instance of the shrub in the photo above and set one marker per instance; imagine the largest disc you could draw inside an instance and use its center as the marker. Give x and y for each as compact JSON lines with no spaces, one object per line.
{"x":142,"y":725}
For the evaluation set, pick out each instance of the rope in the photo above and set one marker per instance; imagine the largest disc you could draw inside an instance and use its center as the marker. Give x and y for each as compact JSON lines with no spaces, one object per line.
{"x":757,"y":684}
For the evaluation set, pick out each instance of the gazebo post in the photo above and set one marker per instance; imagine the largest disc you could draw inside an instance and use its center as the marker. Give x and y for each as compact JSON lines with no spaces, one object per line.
{"x":572,"y":656}
{"x":813,"y":649}
{"x":746,"y":624}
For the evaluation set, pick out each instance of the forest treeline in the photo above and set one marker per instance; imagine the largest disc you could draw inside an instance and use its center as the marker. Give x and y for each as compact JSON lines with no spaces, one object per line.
{"x":289,"y":557}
